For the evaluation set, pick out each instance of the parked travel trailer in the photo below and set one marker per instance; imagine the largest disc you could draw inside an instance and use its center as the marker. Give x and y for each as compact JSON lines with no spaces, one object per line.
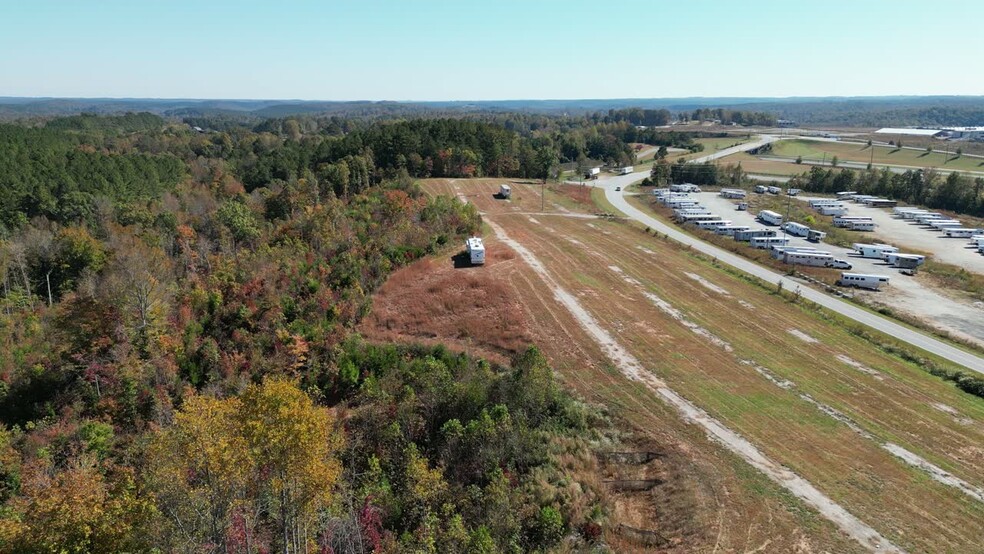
{"x":831,"y":209}
{"x":962,"y":232}
{"x":977,"y":240}
{"x":769,"y":217}
{"x":924,"y":219}
{"x":862,"y":280}
{"x":730,"y":230}
{"x":761,"y":189}
{"x":945,"y":224}
{"x":796,"y":229}
{"x":815,"y":236}
{"x":684,"y":187}
{"x":592,"y":172}
{"x":476,"y":250}
{"x":712,"y":225}
{"x":892,"y":258}
{"x":732,"y":193}
{"x":742,"y":207}
{"x":861,"y":225}
{"x":793,"y":192}
{"x":695,"y":218}
{"x":873,"y":250}
{"x":775,"y":190}
{"x":749,"y":234}
{"x":899,"y":210}
{"x":505,"y":191}
{"x":845,"y":195}
{"x":880,"y":203}
{"x":779,"y":251}
{"x":912,"y":214}
{"x":816,"y":259}
{"x":680,"y":202}
{"x":845,"y":220}
{"x":860,"y":198}
{"x":823,"y":202}
{"x":768,"y":242}
{"x":908,"y":262}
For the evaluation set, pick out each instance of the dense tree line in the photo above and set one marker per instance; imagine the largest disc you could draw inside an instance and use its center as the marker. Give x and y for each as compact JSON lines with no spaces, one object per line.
{"x":179,"y":370}
{"x":639,"y":116}
{"x":955,"y":191}
{"x":738,"y":117}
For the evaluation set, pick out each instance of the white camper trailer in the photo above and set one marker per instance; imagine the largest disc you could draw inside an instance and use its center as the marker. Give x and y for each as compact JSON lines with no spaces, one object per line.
{"x":815,"y":235}
{"x":712,"y":225}
{"x":505,"y":191}
{"x":732,"y":193}
{"x":845,"y":220}
{"x":623,"y":170}
{"x":770,"y":217}
{"x":893,"y":258}
{"x":730,"y":230}
{"x":945,"y":224}
{"x":768,"y":242}
{"x":800,"y":257}
{"x":476,"y":250}
{"x":796,"y":229}
{"x":831,"y":209}
{"x":861,"y":225}
{"x":873,"y":250}
{"x":961,"y":232}
{"x":749,"y":234}
{"x":684,"y":187}
{"x":862,"y":280}
{"x":845,"y":195}
{"x":760,"y":189}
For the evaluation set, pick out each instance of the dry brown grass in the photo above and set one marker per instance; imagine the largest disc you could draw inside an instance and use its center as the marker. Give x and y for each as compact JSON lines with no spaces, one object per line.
{"x":469,"y":308}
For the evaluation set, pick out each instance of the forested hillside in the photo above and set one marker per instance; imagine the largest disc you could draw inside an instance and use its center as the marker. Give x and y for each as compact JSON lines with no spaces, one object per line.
{"x":178,"y":366}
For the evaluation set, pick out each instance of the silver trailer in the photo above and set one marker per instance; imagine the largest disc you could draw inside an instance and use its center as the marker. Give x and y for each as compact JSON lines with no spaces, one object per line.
{"x":747,"y":235}
{"x":815,"y":259}
{"x":768,"y":242}
{"x":873,"y":250}
{"x":796,"y":229}
{"x":770,"y":217}
{"x":815,"y":235}
{"x":862,"y":280}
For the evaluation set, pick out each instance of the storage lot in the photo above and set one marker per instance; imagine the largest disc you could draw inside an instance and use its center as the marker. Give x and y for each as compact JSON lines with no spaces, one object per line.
{"x":903,"y":292}
{"x":907,"y":234}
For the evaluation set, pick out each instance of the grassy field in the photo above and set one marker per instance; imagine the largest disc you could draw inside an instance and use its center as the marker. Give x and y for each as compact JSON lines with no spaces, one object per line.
{"x":804,"y":389}
{"x":815,"y":150}
{"x":752,"y":164}
{"x":712,"y":145}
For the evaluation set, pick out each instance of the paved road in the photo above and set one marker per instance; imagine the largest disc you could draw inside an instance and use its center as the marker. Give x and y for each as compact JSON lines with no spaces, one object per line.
{"x":905,"y":334}
{"x":762,"y":141}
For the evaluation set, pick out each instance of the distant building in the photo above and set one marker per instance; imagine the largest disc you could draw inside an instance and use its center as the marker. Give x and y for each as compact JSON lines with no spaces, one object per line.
{"x":786,"y":123}
{"x":910,"y":131}
{"x":964,"y":133}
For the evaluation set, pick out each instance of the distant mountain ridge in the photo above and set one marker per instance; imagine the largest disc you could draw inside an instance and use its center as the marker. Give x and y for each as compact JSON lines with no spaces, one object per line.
{"x":855,"y":111}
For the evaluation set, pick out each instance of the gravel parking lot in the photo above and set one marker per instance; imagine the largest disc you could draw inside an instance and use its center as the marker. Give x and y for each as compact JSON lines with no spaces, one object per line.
{"x":904,"y":293}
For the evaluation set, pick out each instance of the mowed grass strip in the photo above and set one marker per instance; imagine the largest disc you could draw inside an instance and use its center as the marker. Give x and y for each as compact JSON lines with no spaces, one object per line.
{"x":793,"y":431}
{"x":816,"y":150}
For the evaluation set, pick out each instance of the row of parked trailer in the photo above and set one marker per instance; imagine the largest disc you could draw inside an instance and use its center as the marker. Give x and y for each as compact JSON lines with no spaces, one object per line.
{"x":838,"y":210}
{"x":951,"y":228}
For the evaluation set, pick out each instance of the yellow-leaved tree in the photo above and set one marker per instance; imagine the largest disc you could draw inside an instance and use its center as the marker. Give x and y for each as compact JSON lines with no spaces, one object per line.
{"x":233,"y":475}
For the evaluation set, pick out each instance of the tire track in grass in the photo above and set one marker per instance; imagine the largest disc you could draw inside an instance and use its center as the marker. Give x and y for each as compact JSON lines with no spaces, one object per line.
{"x":910,"y":458}
{"x":633,"y":369}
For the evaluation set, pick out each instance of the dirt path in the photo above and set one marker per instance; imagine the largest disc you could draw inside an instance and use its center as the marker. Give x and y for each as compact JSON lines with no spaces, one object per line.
{"x":633,"y":369}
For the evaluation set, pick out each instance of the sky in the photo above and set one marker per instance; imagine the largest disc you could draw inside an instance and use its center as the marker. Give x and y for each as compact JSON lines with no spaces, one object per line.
{"x":489,"y":50}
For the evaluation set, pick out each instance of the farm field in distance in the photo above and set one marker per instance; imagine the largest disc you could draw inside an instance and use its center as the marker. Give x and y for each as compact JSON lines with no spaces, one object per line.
{"x":854,"y":152}
{"x":826,"y":404}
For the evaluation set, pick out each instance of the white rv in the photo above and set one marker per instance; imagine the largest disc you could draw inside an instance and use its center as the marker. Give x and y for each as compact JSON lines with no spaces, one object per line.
{"x":800,"y":257}
{"x":945,"y":224}
{"x":873,"y":250}
{"x":730,"y":230}
{"x":768,"y":242}
{"x":760,"y":189}
{"x":862,"y":280}
{"x":796,"y":229}
{"x":893,"y":258}
{"x":815,"y":235}
{"x":749,"y":234}
{"x":476,"y":250}
{"x":861,"y":225}
{"x":961,"y":233}
{"x":769,"y":217}
{"x":845,"y":195}
{"x":505,"y":191}
{"x":732,"y":193}
{"x":832,"y":209}
{"x":775,"y":190}
{"x":712,"y":225}
{"x":845,"y":220}
{"x":623,"y":170}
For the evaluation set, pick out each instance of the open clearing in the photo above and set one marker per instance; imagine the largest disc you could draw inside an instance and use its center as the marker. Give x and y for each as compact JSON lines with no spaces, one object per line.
{"x":886,"y":475}
{"x":815,"y":150}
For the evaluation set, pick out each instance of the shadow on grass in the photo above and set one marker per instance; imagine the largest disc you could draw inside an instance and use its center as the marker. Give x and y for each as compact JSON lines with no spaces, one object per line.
{"x":461,"y":260}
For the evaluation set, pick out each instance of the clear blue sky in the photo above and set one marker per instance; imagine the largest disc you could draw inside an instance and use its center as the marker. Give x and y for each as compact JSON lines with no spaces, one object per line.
{"x":470,"y":50}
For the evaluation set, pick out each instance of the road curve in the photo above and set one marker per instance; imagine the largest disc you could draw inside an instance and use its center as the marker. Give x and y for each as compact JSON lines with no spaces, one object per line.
{"x":915,"y":338}
{"x":761,"y":141}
